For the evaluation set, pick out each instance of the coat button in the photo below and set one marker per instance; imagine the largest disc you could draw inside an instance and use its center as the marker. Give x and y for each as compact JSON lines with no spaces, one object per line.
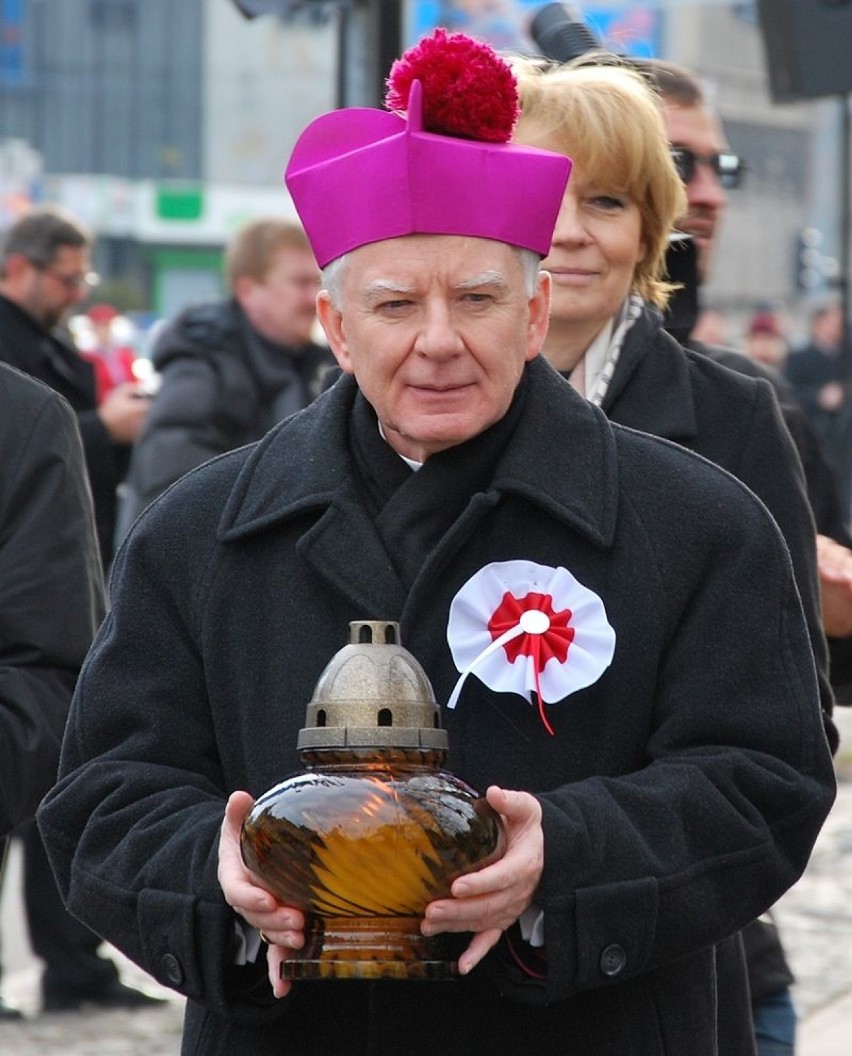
{"x":172,"y":969}
{"x":613,"y":959}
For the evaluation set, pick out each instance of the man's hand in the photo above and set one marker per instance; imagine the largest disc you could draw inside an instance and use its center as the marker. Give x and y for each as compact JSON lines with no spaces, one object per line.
{"x":124,"y":411}
{"x":835,"y":578}
{"x":281,"y":926}
{"x":490,"y":900}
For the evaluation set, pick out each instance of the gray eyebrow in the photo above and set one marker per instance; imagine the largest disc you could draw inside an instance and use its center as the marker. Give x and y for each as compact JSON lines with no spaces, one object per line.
{"x":383,"y":286}
{"x":487,"y":278}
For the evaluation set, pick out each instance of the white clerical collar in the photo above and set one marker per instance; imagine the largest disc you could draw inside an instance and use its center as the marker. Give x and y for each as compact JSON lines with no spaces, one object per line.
{"x":408,"y":461}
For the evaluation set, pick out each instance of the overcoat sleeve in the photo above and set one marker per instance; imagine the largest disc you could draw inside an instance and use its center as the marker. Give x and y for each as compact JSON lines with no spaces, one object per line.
{"x":133,"y":836}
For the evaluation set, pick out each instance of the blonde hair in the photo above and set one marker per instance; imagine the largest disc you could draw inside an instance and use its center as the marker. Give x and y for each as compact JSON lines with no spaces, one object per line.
{"x":607,"y":119}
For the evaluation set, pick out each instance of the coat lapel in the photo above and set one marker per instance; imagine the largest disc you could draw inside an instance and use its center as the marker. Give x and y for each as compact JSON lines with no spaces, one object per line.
{"x":302,"y":467}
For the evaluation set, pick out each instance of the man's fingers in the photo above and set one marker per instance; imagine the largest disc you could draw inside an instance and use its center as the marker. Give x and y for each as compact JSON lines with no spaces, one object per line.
{"x":517,"y":807}
{"x":275,"y":957}
{"x":480,"y":944}
{"x":238,"y":809}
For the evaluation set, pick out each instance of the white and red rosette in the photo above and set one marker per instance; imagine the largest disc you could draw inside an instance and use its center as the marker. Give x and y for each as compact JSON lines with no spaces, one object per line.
{"x":526,"y":628}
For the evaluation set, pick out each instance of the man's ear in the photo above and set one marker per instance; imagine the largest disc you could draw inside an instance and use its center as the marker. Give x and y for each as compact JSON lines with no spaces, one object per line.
{"x":331,"y":320}
{"x":244,"y":287}
{"x":539,"y":315}
{"x":16,"y":265}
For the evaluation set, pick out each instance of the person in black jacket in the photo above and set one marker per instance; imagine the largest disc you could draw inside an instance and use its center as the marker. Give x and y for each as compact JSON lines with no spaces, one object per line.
{"x":51,"y":591}
{"x":45,"y":271}
{"x":661,"y":780}
{"x":231,"y":369}
{"x":607,"y":331}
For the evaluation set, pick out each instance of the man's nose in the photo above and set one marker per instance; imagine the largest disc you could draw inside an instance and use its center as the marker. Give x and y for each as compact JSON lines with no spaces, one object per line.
{"x":569,"y":226}
{"x":438,"y":336}
{"x":705,"y":188}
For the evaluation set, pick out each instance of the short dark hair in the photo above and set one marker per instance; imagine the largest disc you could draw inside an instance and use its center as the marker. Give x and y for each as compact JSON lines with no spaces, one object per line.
{"x":674,"y":83}
{"x":41,"y":233}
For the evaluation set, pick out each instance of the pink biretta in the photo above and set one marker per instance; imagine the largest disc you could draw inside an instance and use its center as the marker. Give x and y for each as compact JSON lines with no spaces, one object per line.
{"x":363,"y":175}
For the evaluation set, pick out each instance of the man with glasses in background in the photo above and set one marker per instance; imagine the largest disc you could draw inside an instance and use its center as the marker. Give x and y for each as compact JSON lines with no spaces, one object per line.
{"x":45,"y":270}
{"x":707,"y":165}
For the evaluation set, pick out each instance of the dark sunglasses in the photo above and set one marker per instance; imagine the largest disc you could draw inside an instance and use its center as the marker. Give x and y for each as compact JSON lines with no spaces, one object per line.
{"x":727,"y":166}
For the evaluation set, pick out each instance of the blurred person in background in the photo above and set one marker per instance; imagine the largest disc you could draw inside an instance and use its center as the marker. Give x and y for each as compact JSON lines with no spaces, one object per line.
{"x":606,"y":332}
{"x":231,"y":369}
{"x":113,"y":360}
{"x":46,"y":269}
{"x":764,"y":339}
{"x":712,"y":327}
{"x":51,"y":592}
{"x":818,"y":373}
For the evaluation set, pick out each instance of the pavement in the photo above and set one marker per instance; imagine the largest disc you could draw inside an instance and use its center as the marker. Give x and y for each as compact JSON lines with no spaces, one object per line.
{"x":815,"y":918}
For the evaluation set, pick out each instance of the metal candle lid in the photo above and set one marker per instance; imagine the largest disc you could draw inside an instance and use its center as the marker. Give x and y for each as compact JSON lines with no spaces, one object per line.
{"x":373,"y":694}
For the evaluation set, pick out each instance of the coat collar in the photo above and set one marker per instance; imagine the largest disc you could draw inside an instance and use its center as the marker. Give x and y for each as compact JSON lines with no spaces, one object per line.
{"x":652,"y":383}
{"x":562,"y":458}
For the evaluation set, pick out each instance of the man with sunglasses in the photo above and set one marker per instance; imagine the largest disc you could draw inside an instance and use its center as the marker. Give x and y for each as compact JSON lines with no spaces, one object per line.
{"x":45,"y":270}
{"x":709,"y":169}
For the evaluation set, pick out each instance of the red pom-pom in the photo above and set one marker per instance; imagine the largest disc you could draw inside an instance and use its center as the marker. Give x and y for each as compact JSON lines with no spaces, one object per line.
{"x":468,"y":90}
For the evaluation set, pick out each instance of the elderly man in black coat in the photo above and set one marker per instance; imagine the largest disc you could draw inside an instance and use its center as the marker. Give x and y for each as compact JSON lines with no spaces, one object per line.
{"x":661,"y":781}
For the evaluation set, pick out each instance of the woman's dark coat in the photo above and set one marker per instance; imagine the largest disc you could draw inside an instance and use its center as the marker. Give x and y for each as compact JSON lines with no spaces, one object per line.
{"x":681,"y":793}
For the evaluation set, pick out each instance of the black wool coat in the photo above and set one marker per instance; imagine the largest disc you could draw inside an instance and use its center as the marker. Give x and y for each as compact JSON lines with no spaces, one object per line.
{"x":51,"y":592}
{"x":736,"y":422}
{"x":681,"y":792}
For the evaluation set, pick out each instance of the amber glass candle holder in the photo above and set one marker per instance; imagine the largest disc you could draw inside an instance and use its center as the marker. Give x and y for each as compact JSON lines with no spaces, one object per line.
{"x":373,"y":829}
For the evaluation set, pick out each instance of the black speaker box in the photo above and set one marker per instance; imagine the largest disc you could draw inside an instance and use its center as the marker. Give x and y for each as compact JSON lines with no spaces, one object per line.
{"x":808,"y":47}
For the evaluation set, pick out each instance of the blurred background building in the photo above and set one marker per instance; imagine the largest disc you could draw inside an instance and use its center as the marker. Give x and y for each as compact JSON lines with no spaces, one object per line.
{"x":165,"y":124}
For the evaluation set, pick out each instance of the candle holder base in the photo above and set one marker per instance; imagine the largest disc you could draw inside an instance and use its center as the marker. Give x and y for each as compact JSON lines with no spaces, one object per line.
{"x":368,"y":948}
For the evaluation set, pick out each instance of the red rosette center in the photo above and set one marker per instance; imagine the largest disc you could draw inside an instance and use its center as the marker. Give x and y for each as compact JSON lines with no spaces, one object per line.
{"x":551,"y":643}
